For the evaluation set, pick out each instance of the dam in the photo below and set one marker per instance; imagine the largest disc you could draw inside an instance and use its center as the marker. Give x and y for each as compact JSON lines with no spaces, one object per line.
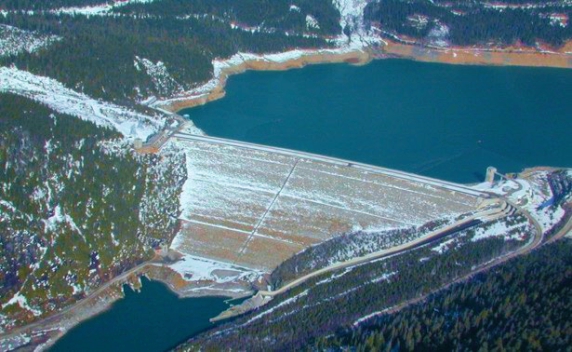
{"x":255,"y":206}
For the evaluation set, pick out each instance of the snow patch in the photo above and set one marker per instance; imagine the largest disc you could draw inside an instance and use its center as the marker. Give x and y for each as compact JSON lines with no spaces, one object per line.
{"x":162,"y":80}
{"x":355,"y":33}
{"x":384,"y":277}
{"x":97,"y":10}
{"x":55,"y":95}
{"x":23,"y":303}
{"x":282,"y":304}
{"x":500,"y":228}
{"x":294,"y":8}
{"x":311,"y":22}
{"x":193,"y":268}
{"x":14,"y":41}
{"x":439,"y":35}
{"x":369,"y":316}
{"x":443,"y":247}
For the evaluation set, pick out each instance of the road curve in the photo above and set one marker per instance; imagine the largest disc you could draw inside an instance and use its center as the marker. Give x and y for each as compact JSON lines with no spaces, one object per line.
{"x":262,"y":297}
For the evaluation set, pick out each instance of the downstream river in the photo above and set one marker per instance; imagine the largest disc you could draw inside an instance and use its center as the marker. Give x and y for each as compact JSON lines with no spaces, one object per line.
{"x":443,"y":121}
{"x":154,"y":319}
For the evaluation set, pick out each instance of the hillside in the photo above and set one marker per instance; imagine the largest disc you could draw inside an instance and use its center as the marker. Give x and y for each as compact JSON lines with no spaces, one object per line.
{"x":77,"y":208}
{"x":474,"y":23}
{"x":499,"y":309}
{"x":313,"y":310}
{"x":135,"y":50}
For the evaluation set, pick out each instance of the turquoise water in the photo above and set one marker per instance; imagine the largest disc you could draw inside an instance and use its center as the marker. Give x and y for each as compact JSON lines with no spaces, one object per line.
{"x":154,"y":319}
{"x":443,"y":121}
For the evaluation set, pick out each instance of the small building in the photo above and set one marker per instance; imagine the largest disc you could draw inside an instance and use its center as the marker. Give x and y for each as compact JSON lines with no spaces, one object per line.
{"x":138,"y":143}
{"x":491,"y":172}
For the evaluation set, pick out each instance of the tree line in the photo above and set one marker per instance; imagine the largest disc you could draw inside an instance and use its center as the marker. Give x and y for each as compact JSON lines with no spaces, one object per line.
{"x":473,"y":24}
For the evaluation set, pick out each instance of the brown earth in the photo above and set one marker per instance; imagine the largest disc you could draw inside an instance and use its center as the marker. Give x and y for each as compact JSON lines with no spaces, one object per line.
{"x":509,"y":56}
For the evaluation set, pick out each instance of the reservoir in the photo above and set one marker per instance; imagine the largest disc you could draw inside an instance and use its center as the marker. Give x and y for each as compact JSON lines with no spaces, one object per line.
{"x":442,"y":121}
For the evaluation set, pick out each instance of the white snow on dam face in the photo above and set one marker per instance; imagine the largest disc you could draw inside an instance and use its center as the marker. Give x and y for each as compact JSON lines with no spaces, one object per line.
{"x":256,"y":208}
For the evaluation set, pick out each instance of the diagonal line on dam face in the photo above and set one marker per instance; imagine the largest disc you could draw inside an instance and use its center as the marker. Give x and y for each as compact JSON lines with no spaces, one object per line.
{"x":255,"y":206}
{"x":261,"y":220}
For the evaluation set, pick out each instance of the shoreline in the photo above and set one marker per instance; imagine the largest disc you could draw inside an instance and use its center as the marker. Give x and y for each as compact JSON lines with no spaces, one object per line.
{"x":214,"y":89}
{"x":44,"y":333}
{"x":239,"y":63}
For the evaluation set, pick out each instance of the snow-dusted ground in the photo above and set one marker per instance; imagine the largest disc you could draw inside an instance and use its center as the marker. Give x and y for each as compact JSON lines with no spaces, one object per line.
{"x":22,"y":302}
{"x":530,"y":194}
{"x":256,"y":208}
{"x":55,"y":95}
{"x":517,"y":231}
{"x":14,"y":41}
{"x":162,"y":80}
{"x":444,"y":246}
{"x":282,"y":304}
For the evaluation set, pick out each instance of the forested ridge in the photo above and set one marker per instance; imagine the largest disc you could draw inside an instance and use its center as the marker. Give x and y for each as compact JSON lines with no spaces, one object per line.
{"x":524,"y":304}
{"x":267,"y":15}
{"x":344,"y":247}
{"x":471,"y":22}
{"x":97,"y":54}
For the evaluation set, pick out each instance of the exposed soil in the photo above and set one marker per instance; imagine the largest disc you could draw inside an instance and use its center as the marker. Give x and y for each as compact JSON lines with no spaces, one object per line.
{"x":509,"y":56}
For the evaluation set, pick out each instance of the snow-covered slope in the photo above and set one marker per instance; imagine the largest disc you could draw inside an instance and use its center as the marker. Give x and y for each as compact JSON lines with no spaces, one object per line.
{"x":52,"y":93}
{"x":351,"y":12}
{"x":96,"y":10}
{"x":164,"y":83}
{"x":14,"y":41}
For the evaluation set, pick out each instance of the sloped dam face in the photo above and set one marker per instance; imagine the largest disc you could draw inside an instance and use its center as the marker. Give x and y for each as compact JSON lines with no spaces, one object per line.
{"x":254,"y":206}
